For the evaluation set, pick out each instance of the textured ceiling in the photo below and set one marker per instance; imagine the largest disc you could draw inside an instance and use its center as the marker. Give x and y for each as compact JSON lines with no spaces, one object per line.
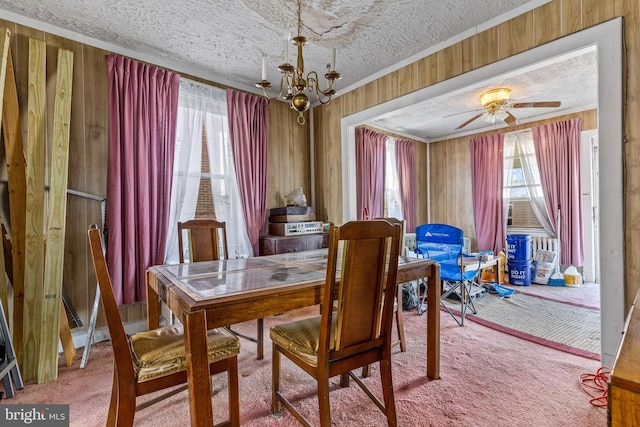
{"x":572,"y":80}
{"x":224,"y":40}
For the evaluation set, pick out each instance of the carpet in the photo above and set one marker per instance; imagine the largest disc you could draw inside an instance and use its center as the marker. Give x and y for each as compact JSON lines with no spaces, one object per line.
{"x":564,"y":326}
{"x":488,"y":379}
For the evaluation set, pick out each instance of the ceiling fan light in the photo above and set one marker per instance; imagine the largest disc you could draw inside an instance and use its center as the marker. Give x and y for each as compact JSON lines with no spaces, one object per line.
{"x":493,"y":96}
{"x":500,"y":115}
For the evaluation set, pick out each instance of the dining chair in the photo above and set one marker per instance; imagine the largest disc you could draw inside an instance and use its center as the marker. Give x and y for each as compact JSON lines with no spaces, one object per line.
{"x":362,"y":261}
{"x":208,"y":242}
{"x":155,"y":360}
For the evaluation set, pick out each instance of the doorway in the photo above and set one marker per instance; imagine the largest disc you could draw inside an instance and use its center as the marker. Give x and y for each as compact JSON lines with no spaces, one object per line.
{"x":607,"y":38}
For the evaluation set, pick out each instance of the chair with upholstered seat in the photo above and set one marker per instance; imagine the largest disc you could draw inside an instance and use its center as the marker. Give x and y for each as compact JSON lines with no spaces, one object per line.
{"x":155,"y":360}
{"x":208,"y":242}
{"x":359,"y":332}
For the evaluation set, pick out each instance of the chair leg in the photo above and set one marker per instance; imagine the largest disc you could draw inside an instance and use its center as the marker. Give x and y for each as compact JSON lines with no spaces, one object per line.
{"x":260,"y":338}
{"x":400,"y":327}
{"x":113,"y":404}
{"x":126,"y":409}
{"x":234,"y":393}
{"x":275,"y":382}
{"x":323,"y":401}
{"x":387,"y":392}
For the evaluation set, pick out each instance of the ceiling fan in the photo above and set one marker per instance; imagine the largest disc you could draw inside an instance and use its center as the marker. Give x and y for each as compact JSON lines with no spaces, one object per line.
{"x":496,"y":107}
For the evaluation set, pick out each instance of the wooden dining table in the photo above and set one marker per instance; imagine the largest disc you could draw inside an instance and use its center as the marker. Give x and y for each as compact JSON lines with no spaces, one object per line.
{"x":211,"y":294}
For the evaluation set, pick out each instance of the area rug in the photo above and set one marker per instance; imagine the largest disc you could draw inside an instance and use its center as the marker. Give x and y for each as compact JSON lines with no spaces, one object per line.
{"x":571,"y":328}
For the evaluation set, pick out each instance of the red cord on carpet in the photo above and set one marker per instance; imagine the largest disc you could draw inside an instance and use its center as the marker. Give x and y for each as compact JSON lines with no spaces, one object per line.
{"x":596,"y":385}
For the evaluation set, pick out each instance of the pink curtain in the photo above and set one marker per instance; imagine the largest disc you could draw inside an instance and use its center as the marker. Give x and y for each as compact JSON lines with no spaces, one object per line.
{"x":370,"y":149}
{"x":143,"y":105}
{"x":249,"y":130}
{"x":557,"y":148}
{"x":486,"y":188}
{"x":405,"y":159}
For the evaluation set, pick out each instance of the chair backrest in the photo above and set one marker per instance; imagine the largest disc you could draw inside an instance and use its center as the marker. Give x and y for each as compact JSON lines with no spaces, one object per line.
{"x":205,"y":239}
{"x":119,"y":340}
{"x":368,"y":263}
{"x":444,"y":243}
{"x":439,"y":241}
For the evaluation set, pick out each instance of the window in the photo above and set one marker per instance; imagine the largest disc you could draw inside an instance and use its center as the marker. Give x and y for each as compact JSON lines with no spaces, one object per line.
{"x":204,"y":180}
{"x":517,"y":189}
{"x":392,"y":203}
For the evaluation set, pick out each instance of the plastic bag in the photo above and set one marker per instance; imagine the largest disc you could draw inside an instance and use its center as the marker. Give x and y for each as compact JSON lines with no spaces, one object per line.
{"x":409,"y":296}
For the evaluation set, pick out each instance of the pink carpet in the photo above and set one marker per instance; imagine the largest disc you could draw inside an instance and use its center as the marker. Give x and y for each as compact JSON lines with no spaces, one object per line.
{"x":488,"y":379}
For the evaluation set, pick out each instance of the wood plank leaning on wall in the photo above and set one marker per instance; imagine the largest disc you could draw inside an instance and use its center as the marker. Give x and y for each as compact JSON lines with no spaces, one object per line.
{"x":4,"y":52}
{"x":56,"y":221}
{"x":16,"y":171}
{"x":34,"y":250}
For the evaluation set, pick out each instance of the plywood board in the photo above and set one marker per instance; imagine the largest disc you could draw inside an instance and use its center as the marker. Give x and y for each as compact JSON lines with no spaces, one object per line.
{"x":54,"y":256}
{"x":34,"y":250}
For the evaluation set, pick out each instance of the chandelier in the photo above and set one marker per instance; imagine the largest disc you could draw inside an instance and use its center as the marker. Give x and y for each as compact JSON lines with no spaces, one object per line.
{"x":294,"y":83}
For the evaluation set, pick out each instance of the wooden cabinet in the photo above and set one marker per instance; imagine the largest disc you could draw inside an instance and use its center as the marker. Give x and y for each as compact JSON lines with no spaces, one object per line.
{"x":271,"y":245}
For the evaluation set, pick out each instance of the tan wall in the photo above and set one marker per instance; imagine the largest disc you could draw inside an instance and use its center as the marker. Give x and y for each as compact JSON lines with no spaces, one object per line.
{"x":288,"y":164}
{"x":534,"y":28}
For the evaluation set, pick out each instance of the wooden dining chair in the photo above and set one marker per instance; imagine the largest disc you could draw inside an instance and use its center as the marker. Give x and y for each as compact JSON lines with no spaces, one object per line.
{"x":155,"y":360}
{"x":208,"y":242}
{"x":358,"y":333}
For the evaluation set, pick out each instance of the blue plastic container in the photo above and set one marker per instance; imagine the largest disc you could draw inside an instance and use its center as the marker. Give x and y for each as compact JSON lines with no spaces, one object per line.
{"x":518,"y":247}
{"x":520,"y":272}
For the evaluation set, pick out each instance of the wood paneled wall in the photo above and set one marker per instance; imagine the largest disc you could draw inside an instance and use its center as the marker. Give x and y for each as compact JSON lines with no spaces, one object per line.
{"x":288,"y":161}
{"x":87,"y":148}
{"x":551,"y":21}
{"x":289,"y":153}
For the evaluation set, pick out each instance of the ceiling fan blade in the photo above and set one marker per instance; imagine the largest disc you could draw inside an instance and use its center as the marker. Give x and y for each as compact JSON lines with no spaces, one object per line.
{"x":470,"y":120}
{"x":535,"y":104}
{"x":510,"y":119}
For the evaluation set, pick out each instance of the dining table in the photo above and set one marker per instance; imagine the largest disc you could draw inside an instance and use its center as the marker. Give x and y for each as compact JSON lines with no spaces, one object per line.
{"x":211,"y":294}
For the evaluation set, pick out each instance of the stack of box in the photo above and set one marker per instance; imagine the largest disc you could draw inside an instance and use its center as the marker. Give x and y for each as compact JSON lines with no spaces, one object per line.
{"x":293,"y":220}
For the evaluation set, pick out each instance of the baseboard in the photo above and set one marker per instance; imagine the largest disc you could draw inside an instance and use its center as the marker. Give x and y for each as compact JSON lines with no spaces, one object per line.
{"x":102,"y":334}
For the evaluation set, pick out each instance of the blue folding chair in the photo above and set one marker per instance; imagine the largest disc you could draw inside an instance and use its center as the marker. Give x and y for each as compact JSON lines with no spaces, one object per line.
{"x":444,"y":243}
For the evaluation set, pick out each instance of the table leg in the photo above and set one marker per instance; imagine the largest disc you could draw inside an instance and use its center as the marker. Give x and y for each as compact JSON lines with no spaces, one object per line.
{"x":153,"y":305}
{"x":198,"y":377}
{"x":434,"y":290}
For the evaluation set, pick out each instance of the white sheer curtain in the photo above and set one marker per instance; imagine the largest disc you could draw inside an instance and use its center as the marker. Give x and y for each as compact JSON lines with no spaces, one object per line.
{"x":200,"y":105}
{"x":224,"y":185}
{"x":507,"y":155}
{"x":531,"y":176}
{"x":391,"y":182}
